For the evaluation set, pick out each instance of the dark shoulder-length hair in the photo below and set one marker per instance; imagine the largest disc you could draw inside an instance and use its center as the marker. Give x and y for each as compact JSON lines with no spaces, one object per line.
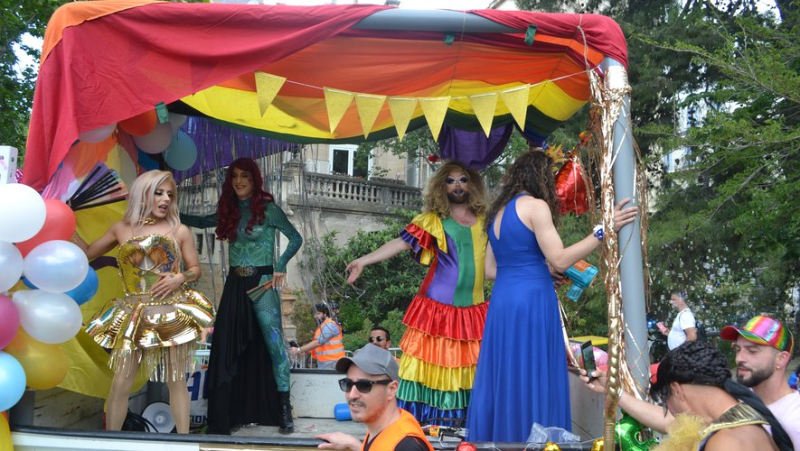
{"x":532,"y":173}
{"x":228,"y":213}
{"x":700,"y":363}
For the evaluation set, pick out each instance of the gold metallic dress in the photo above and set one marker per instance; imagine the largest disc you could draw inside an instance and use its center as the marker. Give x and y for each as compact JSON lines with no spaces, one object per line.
{"x":159,"y":334}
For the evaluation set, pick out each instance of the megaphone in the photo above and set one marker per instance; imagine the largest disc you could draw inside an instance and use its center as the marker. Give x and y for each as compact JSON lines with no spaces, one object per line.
{"x":160,"y":416}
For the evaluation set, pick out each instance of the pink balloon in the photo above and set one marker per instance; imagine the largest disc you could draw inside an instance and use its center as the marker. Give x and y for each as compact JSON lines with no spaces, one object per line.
{"x":9,"y":320}
{"x":156,"y":141}
{"x":600,"y":356}
{"x":99,"y":134}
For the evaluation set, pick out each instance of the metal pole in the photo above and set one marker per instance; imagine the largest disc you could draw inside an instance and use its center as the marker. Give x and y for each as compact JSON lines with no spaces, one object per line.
{"x":630,"y":240}
{"x":434,"y":20}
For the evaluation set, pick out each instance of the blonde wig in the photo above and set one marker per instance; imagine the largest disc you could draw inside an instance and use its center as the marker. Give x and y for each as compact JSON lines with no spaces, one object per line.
{"x":141,"y":199}
{"x":435,"y":200}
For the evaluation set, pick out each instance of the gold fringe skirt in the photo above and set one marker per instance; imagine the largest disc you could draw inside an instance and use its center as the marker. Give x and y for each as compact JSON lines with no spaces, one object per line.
{"x":155,"y":336}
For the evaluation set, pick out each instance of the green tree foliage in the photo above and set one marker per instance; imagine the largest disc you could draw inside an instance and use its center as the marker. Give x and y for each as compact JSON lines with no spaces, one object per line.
{"x":18,"y":19}
{"x":729,"y":223}
{"x":381,"y":288}
{"x":719,"y":79}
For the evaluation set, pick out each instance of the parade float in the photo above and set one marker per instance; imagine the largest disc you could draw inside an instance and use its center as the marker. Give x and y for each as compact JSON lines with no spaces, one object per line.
{"x":118,"y":79}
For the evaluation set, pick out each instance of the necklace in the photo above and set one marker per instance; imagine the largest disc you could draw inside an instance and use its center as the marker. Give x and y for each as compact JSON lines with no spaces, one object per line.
{"x":149,"y":221}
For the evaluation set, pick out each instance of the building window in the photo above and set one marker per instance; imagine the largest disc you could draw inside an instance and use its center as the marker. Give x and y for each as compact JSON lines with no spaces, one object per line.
{"x":346,"y":160}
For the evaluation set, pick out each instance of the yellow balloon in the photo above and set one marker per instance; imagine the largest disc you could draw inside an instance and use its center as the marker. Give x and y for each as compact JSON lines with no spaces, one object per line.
{"x":5,"y":434}
{"x":45,"y":365}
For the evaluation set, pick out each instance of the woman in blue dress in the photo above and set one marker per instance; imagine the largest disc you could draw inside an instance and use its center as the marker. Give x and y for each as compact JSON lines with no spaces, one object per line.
{"x":521,"y":376}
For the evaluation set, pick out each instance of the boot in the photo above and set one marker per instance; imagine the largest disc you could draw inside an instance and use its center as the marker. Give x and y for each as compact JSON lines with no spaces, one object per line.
{"x":286,"y":425}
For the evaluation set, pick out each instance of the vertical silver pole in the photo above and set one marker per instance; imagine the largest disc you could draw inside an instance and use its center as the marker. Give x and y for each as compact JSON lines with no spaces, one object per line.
{"x":630,"y":240}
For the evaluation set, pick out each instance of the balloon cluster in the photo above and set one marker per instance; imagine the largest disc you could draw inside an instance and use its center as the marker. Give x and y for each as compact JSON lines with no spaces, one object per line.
{"x":153,"y":137}
{"x":34,"y":322}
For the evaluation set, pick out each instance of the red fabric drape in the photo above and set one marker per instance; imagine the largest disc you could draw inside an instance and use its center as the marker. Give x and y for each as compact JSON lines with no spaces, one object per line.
{"x":602,"y":33}
{"x":159,"y":52}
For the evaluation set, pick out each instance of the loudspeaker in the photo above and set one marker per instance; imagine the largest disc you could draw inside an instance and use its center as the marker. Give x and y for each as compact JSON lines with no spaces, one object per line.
{"x":160,"y":416}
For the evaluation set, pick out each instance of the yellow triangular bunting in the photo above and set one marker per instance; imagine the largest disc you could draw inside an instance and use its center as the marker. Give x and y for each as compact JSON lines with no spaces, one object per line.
{"x":434,"y":108}
{"x":267,"y":87}
{"x":517,"y":103}
{"x":483,"y":105}
{"x":368,"y":108}
{"x":402,"y":109}
{"x":337,"y":103}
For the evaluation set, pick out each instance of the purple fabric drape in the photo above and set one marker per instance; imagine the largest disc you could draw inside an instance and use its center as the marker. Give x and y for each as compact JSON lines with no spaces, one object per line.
{"x":473,"y":149}
{"x":218,"y":145}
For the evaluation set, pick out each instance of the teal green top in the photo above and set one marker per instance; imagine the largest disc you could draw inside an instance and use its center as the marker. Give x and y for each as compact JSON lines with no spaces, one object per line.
{"x":256,"y":248}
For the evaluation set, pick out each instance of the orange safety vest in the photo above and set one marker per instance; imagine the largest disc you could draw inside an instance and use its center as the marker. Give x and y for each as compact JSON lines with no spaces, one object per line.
{"x":388,"y":438}
{"x":333,"y":350}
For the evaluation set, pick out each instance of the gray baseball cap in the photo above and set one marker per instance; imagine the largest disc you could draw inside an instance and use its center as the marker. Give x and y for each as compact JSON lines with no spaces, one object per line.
{"x":371,"y":360}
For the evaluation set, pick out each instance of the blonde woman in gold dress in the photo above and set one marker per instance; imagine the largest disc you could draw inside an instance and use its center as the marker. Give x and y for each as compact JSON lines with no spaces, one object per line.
{"x":155,"y":326}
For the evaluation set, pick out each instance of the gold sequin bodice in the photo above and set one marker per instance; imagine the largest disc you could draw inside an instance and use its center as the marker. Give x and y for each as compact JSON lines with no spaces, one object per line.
{"x":142,"y":259}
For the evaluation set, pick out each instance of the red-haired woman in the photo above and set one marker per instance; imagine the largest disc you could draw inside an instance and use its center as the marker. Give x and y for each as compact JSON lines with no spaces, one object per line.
{"x":248,"y":333}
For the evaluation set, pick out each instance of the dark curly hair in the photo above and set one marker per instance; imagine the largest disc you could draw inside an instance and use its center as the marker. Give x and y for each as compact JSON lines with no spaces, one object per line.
{"x":699,"y":363}
{"x":228,"y":213}
{"x":532,"y":173}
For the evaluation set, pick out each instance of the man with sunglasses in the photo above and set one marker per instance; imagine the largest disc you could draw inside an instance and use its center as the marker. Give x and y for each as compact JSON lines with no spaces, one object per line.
{"x":449,"y":309}
{"x":370,"y":388}
{"x":763,"y":352}
{"x":379,"y":336}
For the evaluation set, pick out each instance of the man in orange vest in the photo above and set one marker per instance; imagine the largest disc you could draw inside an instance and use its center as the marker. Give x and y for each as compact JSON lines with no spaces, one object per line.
{"x":327,"y":346}
{"x":370,"y":388}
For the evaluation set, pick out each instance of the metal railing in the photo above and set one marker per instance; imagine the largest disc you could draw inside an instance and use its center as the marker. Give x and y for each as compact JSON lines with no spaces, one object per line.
{"x":350,"y":189}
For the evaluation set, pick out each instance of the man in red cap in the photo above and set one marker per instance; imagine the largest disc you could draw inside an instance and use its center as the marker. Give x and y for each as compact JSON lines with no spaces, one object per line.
{"x":763,"y":351}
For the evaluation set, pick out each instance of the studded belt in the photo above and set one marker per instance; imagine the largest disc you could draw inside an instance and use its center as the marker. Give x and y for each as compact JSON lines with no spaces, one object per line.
{"x":247,"y":271}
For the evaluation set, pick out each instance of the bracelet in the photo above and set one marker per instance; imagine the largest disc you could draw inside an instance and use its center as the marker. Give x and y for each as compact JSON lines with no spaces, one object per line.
{"x":598,"y":232}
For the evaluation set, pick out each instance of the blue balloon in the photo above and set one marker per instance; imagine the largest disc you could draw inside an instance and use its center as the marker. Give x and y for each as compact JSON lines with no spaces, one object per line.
{"x":87,"y":289}
{"x":29,"y":284}
{"x":12,"y":381}
{"x":181,"y":153}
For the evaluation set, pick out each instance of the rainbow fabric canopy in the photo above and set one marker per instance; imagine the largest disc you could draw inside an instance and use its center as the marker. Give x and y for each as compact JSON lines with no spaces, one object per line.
{"x":329,"y":73}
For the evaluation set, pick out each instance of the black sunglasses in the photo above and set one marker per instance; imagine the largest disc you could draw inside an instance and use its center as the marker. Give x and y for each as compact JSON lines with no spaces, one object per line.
{"x":362,"y":385}
{"x":378,"y":339}
{"x":452,"y":181}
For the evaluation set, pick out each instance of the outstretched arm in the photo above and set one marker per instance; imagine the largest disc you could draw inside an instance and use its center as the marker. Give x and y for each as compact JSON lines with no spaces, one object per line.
{"x":385,"y":252}
{"x":644,"y":412}
{"x":538,"y":215}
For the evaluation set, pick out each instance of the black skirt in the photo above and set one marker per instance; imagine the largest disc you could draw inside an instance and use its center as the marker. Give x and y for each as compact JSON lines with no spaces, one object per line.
{"x":241,"y":387}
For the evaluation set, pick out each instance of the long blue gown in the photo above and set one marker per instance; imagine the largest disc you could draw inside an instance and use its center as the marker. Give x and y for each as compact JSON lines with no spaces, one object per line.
{"x":521,"y":376}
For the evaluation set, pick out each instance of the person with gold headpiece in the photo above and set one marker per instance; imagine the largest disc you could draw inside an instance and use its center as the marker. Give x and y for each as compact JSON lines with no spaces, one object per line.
{"x":155,"y":326}
{"x":445,"y":318}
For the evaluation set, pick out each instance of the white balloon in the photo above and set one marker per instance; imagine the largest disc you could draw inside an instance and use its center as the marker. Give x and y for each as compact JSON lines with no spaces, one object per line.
{"x":176,"y":120}
{"x":51,"y":318}
{"x":156,"y":141}
{"x":56,"y":266}
{"x":22,"y":212}
{"x":11,"y":263}
{"x":99,"y":134}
